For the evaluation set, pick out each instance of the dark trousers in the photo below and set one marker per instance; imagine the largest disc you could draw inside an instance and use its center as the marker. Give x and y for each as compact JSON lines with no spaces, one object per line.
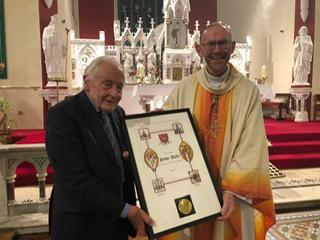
{"x":73,"y":226}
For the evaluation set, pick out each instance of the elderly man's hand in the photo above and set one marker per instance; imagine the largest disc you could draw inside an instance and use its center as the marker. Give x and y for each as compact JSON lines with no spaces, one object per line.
{"x":138,"y":218}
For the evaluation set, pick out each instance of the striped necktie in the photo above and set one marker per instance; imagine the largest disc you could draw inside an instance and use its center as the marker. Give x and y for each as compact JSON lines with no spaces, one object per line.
{"x":107,"y":127}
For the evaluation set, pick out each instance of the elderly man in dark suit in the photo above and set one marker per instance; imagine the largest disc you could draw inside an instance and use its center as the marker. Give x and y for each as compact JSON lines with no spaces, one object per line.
{"x":93,"y":188}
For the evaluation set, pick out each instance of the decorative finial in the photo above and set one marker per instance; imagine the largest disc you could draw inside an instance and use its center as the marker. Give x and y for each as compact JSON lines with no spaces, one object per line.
{"x":127,"y":22}
{"x":140,"y":22}
{"x":48,"y":3}
{"x":152,"y":23}
{"x":197,"y":25}
{"x":304,"y":9}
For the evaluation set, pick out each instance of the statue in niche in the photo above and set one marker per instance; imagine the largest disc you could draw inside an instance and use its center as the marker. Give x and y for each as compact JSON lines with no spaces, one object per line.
{"x":116,"y":29}
{"x":152,"y":67}
{"x":55,"y":48}
{"x":128,"y":67}
{"x":303,"y":49}
{"x":140,"y":67}
{"x":196,"y":59}
{"x":141,"y":72}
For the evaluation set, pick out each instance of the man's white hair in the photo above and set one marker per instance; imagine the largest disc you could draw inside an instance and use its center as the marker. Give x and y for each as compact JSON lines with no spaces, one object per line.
{"x":90,"y":69}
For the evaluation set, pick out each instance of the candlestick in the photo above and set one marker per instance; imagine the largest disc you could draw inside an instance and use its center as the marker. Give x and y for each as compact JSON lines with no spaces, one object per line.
{"x":263,"y":72}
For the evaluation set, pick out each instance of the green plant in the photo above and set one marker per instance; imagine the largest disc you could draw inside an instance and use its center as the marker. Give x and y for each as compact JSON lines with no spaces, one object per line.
{"x":5,"y":128}
{"x":4,"y":105}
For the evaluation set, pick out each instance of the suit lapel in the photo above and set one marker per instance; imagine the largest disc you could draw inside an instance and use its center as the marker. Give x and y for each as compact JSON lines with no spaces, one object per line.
{"x":94,"y":125}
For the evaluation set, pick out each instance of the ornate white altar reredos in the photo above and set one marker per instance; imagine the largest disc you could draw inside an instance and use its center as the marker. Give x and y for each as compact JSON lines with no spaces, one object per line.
{"x":241,"y":58}
{"x":83,"y":51}
{"x":162,"y":54}
{"x":177,"y":56}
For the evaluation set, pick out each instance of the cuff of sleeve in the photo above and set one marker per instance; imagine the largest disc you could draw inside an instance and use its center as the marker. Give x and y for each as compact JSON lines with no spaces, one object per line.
{"x":247,"y":200}
{"x":125,"y":211}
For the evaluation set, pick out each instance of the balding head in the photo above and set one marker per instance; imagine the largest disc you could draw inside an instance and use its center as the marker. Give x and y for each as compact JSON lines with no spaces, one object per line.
{"x":217,"y":25}
{"x":216,"y":47}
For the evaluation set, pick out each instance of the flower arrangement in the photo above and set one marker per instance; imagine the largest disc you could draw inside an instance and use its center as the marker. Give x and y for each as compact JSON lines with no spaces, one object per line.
{"x":2,"y":66}
{"x":5,"y":128}
{"x":4,"y":104}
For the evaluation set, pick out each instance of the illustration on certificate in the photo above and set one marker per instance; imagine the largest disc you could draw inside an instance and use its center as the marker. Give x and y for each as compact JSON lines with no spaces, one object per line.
{"x":152,"y":159}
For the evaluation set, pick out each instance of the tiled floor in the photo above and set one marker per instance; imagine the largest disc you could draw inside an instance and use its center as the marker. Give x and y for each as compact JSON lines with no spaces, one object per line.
{"x":298,"y":226}
{"x":299,"y":189}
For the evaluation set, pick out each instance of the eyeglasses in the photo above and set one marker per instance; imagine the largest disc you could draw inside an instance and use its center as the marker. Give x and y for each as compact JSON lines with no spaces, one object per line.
{"x":223,"y":44}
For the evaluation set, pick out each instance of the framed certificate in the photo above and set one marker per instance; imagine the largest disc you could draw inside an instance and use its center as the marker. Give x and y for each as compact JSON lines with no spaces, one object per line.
{"x":174,"y":182}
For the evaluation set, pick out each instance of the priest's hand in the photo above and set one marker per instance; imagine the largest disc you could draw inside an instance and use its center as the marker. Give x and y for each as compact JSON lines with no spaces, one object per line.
{"x":228,"y":206}
{"x":138,"y":218}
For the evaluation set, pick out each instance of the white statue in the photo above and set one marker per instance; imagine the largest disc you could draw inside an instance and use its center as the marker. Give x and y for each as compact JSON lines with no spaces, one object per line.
{"x":141,"y":71}
{"x":196,"y":59}
{"x":54,"y":48}
{"x":116,"y":29}
{"x":303,"y":49}
{"x":152,"y":67}
{"x":140,"y":67}
{"x":128,"y":67}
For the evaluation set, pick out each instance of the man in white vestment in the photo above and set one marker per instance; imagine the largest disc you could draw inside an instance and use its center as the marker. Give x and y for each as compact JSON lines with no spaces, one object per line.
{"x":227,"y":110}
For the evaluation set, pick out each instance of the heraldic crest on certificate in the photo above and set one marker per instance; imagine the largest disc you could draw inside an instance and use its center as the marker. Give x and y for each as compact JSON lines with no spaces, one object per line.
{"x":153,"y":157}
{"x":173,"y":181}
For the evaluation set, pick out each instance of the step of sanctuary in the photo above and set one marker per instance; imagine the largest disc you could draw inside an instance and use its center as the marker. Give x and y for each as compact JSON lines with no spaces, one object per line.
{"x":298,"y":190}
{"x":25,"y":223}
{"x":295,"y":160}
{"x":293,"y":144}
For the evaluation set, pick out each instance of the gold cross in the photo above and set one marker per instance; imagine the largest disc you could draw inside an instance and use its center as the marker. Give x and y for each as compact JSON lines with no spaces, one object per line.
{"x":215,"y":128}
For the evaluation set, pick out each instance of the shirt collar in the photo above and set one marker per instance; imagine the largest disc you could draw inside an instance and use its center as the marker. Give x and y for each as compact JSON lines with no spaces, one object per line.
{"x":95,"y":107}
{"x":215,"y":81}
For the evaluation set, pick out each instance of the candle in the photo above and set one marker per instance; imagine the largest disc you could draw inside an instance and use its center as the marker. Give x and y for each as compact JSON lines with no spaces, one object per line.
{"x":263,"y":72}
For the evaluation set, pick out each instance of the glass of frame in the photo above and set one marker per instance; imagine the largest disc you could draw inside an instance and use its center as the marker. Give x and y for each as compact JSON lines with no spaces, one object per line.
{"x":173,"y":179}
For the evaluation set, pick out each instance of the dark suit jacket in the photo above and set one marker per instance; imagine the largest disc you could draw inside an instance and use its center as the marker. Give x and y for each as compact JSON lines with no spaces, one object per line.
{"x":88,"y":187}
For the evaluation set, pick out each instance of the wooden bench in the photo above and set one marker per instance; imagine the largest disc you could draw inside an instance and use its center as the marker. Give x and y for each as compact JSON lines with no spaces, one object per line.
{"x":277,"y":108}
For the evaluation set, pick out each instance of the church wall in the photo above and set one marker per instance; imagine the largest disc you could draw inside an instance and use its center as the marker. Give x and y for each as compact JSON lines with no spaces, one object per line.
{"x":129,"y":102}
{"x":68,"y":11}
{"x":98,"y":15}
{"x":204,"y":11}
{"x":24,"y":63}
{"x":316,"y":51}
{"x":95,"y":16}
{"x":271,"y":27}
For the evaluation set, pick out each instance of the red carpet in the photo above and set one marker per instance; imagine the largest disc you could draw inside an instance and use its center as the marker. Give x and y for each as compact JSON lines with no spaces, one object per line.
{"x":28,"y":136}
{"x":26,"y":172}
{"x":294,"y":144}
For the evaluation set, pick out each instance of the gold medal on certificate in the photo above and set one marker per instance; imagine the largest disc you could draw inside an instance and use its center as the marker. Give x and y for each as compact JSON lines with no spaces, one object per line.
{"x":184,"y":206}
